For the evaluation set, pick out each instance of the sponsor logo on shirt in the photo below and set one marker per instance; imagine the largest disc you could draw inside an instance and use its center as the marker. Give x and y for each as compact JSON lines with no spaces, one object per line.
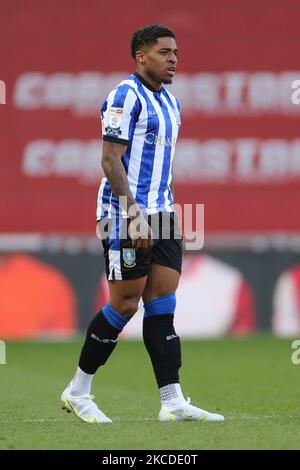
{"x":154,"y":139}
{"x":109,"y":130}
{"x":115,"y":116}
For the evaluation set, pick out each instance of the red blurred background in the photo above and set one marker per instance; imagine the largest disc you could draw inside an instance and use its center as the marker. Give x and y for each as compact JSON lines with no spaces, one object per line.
{"x":238,"y":152}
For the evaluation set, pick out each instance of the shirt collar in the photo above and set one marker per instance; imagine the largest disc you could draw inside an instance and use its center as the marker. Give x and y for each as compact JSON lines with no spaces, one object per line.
{"x":145,"y":83}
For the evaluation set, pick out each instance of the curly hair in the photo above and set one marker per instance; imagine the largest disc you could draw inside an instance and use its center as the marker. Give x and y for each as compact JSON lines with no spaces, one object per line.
{"x":148,"y":36}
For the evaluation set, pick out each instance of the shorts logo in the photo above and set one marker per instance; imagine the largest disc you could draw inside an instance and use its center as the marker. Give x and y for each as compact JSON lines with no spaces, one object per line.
{"x":129,"y":257}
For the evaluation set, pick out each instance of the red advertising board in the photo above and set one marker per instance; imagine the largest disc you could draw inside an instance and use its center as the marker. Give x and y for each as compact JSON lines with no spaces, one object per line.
{"x":239,"y":146}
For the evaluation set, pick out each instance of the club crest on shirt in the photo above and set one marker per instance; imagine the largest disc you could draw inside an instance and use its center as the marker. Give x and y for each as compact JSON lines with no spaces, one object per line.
{"x":115,"y":116}
{"x":129,"y":257}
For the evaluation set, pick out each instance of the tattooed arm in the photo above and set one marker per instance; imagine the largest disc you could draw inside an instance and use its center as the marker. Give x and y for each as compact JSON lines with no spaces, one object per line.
{"x":115,"y":173}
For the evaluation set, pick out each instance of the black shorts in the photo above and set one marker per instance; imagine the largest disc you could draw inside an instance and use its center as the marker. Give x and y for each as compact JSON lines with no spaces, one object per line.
{"x":124,"y":262}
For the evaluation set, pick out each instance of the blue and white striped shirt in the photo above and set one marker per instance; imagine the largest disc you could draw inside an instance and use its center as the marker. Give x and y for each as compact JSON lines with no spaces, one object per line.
{"x":147,"y":121}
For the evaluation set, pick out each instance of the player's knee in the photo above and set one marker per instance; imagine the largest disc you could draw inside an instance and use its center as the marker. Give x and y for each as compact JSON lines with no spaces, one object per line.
{"x":160,"y":305}
{"x":129,"y":307}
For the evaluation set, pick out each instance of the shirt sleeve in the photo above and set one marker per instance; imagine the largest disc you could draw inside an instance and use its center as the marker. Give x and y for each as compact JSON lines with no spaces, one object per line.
{"x":119,"y":113}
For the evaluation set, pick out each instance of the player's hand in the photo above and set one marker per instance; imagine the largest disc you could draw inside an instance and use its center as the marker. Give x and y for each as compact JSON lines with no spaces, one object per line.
{"x":140,"y":232}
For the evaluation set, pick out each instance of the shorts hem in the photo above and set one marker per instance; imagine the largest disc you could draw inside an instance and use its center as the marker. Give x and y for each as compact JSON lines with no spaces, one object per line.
{"x":131,"y":277}
{"x":167,"y":265}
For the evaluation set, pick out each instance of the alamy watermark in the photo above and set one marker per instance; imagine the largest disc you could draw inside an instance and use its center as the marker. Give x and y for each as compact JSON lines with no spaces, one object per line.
{"x":295,"y":358}
{"x":2,"y":352}
{"x":296,"y":94}
{"x":2,"y":92}
{"x":181,"y":222}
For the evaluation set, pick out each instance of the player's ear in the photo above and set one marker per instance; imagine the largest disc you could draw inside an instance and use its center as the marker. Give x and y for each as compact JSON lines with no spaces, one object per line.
{"x":140,"y":57}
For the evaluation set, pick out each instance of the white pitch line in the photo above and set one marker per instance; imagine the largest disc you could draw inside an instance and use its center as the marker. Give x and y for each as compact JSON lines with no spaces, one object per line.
{"x":29,"y":420}
{"x":42,"y":420}
{"x":245,"y":417}
{"x":138,"y":419}
{"x":231,"y":418}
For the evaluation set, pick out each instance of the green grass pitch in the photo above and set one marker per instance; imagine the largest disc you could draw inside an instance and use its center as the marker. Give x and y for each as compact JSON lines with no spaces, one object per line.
{"x":251,"y":381}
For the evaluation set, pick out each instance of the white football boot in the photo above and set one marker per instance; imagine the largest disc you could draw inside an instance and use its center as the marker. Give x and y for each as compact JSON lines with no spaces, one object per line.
{"x":182,"y":410}
{"x":83,"y":407}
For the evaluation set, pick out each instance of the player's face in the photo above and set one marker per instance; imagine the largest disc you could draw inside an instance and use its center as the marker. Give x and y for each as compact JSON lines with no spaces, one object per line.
{"x":161,"y":60}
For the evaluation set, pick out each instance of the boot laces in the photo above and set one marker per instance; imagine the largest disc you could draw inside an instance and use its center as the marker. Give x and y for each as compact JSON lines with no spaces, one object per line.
{"x":87,"y":396}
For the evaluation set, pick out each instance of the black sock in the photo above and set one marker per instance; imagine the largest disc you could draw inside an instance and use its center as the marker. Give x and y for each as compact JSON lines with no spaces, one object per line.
{"x":101,"y":340}
{"x":163,"y":346}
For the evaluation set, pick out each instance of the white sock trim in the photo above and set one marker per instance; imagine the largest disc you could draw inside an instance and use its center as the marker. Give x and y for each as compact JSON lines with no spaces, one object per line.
{"x":81,"y":383}
{"x":171,"y":392}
